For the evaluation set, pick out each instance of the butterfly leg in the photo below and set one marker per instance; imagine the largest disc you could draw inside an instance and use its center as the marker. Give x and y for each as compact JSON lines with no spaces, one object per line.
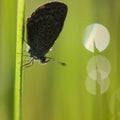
{"x":30,"y":63}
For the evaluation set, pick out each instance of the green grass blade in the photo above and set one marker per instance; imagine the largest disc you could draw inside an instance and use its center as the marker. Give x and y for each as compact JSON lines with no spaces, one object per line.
{"x":18,"y":71}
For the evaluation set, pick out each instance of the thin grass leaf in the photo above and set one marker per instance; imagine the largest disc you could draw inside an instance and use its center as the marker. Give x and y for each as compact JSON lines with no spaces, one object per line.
{"x":18,"y":71}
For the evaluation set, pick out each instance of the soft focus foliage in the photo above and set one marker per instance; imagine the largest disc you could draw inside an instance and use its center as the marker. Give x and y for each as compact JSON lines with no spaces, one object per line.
{"x":80,"y":91}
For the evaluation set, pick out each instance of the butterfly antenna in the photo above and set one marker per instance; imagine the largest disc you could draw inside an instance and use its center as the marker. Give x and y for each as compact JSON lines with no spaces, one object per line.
{"x":57,"y":61}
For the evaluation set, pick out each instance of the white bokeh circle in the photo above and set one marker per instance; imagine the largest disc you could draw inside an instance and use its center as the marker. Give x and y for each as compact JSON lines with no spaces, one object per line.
{"x":96,"y":36}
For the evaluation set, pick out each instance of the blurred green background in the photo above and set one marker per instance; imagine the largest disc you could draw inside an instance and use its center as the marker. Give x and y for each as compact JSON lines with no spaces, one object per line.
{"x":53,"y":92}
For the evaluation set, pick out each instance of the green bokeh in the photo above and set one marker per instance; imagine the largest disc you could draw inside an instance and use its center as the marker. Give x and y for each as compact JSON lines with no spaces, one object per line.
{"x":7,"y":57}
{"x":54,"y":92}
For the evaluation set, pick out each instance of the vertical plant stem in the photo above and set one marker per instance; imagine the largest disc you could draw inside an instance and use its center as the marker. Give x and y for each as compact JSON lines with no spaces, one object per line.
{"x":18,"y":69}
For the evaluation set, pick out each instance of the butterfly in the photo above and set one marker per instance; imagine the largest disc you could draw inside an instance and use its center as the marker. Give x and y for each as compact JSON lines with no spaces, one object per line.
{"x":43,"y":28}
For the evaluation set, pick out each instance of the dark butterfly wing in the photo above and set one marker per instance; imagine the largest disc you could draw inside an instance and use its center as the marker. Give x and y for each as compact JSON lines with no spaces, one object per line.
{"x":44,"y":26}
